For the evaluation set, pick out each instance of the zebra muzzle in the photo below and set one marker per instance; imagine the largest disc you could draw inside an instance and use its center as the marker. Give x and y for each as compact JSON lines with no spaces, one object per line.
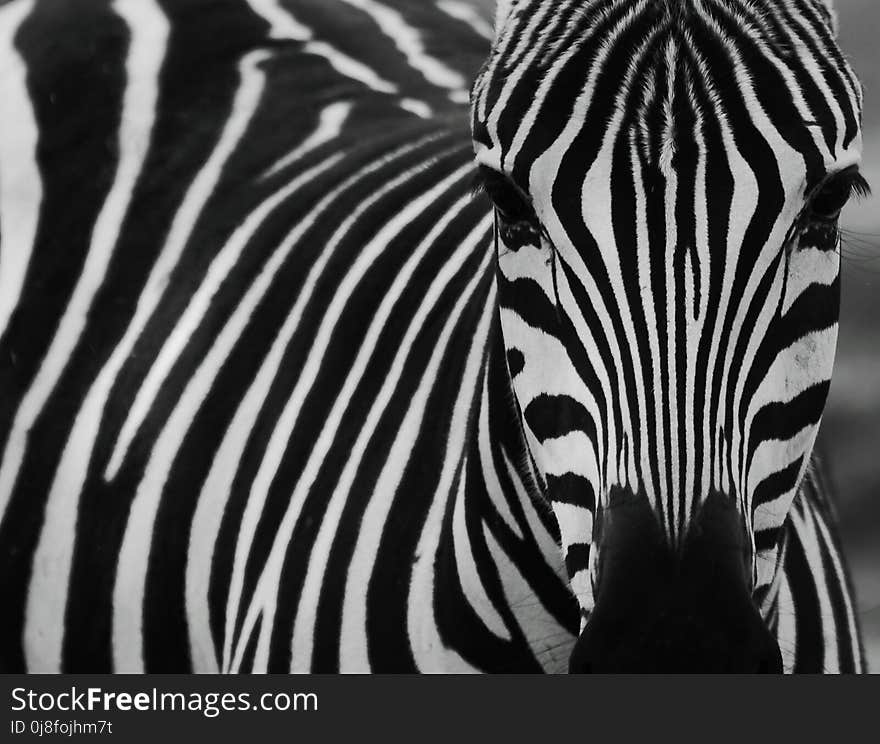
{"x":665,"y":609}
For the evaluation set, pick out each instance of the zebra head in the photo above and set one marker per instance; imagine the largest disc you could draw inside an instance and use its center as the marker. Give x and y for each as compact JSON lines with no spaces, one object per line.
{"x":667,"y":177}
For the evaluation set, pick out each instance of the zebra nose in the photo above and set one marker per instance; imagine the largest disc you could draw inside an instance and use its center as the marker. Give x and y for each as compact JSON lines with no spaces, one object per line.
{"x":676,"y":642}
{"x":660,"y":609}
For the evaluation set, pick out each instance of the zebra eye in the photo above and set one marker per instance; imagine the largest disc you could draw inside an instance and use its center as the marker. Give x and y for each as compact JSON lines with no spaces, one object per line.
{"x":518,"y":224}
{"x":507,"y":198}
{"x":827,"y":203}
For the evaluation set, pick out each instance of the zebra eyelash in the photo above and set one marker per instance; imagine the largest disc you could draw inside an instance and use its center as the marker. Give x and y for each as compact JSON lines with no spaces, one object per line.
{"x":510,"y":202}
{"x":516,"y":222}
{"x":826,"y":201}
{"x":861,"y":189}
{"x":478,"y":182}
{"x":822,"y":207}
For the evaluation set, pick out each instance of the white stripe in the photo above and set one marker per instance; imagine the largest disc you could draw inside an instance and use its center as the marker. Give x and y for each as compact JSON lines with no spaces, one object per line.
{"x":573,"y":452}
{"x":495,"y":492}
{"x":21,"y":189}
{"x":582,"y":587}
{"x":839,"y":579}
{"x":502,"y":10}
{"x":465,"y":12}
{"x":670,"y":412}
{"x":773,"y":455}
{"x":283,"y":25}
{"x":350,"y":68}
{"x":550,"y":642}
{"x":466,"y":565}
{"x":805,"y":526}
{"x":417,"y":107}
{"x":408,"y":41}
{"x":786,"y":632}
{"x":529,"y":262}
{"x":429,"y":652}
{"x":697,"y":329}
{"x":332,"y":119}
{"x":575,"y":524}
{"x":796,"y":368}
{"x":808,"y":266}
{"x":44,"y":625}
{"x":548,"y":369}
{"x":545,"y":541}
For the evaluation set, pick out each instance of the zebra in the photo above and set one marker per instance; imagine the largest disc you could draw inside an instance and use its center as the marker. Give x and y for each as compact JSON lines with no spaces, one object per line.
{"x":318,"y":357}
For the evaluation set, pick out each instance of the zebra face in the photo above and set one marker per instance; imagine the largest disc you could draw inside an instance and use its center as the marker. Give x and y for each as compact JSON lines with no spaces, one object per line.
{"x":667,"y":178}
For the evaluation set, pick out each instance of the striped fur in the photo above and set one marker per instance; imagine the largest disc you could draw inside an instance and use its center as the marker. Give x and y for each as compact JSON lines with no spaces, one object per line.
{"x":257,"y":411}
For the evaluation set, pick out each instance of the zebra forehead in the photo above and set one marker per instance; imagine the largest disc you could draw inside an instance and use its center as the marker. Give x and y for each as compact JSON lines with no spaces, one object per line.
{"x":543,"y":37}
{"x":572,"y":21}
{"x":671,"y":9}
{"x":664,"y":69}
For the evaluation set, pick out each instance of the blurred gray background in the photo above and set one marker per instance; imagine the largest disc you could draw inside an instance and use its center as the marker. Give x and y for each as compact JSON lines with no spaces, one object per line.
{"x":851,"y":429}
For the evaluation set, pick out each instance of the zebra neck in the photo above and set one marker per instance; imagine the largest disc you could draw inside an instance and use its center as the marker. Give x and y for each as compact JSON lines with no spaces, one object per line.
{"x":499,"y":589}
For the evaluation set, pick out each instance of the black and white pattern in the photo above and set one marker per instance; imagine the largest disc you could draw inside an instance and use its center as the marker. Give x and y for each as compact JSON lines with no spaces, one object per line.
{"x":280,"y":393}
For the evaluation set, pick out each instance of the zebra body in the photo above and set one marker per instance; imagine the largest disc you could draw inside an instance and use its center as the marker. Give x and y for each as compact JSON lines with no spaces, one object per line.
{"x":257,"y":409}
